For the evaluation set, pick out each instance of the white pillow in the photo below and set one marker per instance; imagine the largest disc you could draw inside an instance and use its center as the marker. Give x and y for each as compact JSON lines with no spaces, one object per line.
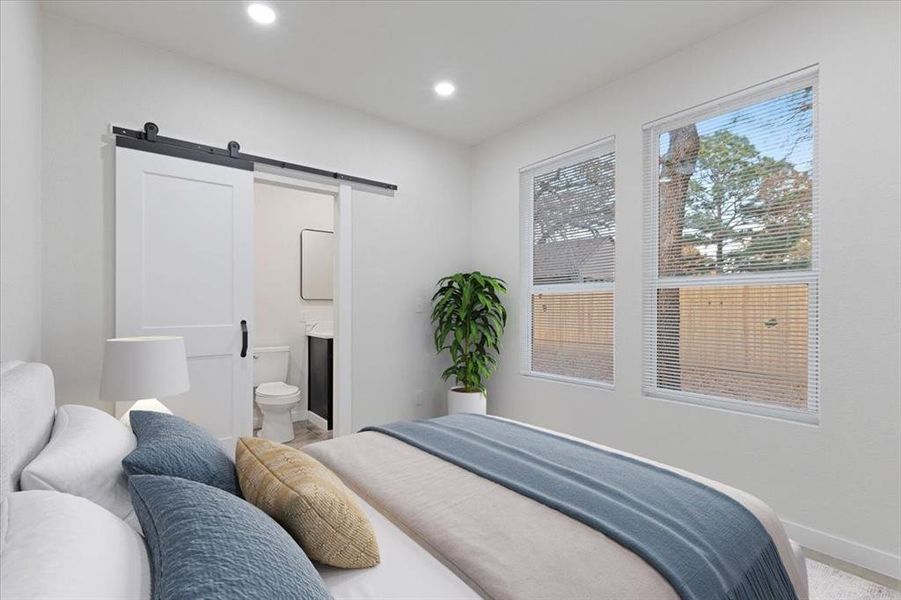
{"x":84,"y":458}
{"x":55,"y":545}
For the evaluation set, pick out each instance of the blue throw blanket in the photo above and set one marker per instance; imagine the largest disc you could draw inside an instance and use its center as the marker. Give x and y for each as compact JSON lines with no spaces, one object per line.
{"x":707,"y":545}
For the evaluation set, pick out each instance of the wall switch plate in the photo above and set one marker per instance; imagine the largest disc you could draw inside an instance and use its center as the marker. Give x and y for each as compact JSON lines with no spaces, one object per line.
{"x":420,"y":304}
{"x":419,"y":396}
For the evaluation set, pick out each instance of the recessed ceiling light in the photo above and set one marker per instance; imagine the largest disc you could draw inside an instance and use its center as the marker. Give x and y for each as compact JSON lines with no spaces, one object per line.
{"x":261,"y":14}
{"x":444,"y":88}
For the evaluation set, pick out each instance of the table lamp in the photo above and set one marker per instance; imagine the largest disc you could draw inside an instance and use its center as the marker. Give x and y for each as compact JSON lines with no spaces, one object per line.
{"x":139,"y":370}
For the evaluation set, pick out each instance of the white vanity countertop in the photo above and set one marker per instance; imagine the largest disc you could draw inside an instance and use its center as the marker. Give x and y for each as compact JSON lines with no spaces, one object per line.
{"x":322,"y":329}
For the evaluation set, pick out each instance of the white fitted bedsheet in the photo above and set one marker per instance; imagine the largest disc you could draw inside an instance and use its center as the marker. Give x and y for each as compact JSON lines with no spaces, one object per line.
{"x":406,"y":571}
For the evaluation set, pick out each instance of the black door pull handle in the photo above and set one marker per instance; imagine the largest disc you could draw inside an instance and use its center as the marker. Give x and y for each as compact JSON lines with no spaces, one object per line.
{"x":243,"y":338}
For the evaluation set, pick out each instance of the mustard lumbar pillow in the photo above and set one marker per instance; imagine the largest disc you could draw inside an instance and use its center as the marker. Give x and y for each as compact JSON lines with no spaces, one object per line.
{"x":308,"y":500}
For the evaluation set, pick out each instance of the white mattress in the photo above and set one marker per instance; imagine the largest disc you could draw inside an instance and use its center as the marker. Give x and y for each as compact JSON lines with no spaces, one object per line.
{"x":406,"y":570}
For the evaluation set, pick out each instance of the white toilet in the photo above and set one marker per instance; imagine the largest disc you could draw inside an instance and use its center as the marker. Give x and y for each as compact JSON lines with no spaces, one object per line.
{"x":273,"y":396}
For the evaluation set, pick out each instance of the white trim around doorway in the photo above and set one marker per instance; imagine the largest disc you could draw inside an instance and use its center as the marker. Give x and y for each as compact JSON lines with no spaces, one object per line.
{"x":343,"y":303}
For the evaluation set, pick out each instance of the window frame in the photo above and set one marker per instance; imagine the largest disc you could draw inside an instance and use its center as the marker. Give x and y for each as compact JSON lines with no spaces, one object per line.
{"x":528,"y":288}
{"x":652,"y":282}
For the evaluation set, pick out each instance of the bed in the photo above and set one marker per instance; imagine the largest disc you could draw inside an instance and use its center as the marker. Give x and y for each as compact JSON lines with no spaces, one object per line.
{"x":443,"y":530}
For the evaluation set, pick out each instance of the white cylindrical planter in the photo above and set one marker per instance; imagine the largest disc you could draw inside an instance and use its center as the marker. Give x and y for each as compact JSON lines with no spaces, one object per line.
{"x":465,"y":402}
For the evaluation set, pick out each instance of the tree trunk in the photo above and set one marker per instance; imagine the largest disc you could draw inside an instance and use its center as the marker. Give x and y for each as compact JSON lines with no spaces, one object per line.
{"x":677,"y":167}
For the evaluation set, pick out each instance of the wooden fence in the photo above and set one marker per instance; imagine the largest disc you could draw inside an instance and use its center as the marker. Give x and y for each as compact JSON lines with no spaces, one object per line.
{"x":742,"y":341}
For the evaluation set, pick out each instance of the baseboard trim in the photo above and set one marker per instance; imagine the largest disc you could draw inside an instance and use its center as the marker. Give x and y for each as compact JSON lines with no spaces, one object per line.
{"x":298,"y":413}
{"x":317,"y":421}
{"x":846,"y":550}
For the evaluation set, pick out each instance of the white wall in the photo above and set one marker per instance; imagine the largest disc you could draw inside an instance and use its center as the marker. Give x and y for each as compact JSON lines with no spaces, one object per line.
{"x":20,"y":182}
{"x":94,"y":78}
{"x":839,"y":481}
{"x":280,"y":213}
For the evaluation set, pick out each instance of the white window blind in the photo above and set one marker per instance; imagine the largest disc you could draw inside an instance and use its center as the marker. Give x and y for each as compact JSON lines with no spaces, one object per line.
{"x":731,"y":253}
{"x":568,"y":258}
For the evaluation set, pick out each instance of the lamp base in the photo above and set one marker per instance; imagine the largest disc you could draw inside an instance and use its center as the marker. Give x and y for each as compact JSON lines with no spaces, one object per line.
{"x":124,"y":408}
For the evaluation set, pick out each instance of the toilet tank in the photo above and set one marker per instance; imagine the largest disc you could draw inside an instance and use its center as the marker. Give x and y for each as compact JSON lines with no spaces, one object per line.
{"x":270,"y":363}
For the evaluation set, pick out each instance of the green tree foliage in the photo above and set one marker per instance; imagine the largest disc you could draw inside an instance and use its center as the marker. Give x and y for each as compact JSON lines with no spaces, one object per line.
{"x":748,"y":211}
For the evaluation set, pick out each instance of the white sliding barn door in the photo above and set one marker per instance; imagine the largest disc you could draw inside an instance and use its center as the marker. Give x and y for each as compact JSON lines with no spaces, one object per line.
{"x":184,"y":256}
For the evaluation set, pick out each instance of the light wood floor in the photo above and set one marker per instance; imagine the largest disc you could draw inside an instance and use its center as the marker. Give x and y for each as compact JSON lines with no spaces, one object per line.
{"x":306,"y":433}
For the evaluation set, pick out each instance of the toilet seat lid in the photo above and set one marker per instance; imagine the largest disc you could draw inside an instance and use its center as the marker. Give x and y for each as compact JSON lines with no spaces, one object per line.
{"x":276,"y":388}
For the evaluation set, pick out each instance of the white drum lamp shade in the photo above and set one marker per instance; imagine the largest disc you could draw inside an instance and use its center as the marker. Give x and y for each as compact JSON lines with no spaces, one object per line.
{"x":139,"y":368}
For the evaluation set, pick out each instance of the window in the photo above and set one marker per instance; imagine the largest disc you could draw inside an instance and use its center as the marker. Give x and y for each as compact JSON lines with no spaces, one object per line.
{"x":731,"y":273}
{"x":568,"y":256}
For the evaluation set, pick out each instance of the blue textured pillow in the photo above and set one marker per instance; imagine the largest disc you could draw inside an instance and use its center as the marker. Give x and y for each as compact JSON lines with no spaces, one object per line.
{"x":206,"y":543}
{"x":171,"y":445}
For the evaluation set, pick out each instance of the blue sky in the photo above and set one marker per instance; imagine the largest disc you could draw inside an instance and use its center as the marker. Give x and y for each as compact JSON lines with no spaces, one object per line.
{"x":774,"y":127}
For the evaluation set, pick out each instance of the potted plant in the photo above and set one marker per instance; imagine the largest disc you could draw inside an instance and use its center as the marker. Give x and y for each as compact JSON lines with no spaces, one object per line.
{"x":469,"y":321}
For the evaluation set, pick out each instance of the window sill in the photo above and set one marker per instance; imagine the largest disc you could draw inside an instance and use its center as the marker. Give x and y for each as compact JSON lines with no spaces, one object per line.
{"x":570,"y":380}
{"x":734,"y":406}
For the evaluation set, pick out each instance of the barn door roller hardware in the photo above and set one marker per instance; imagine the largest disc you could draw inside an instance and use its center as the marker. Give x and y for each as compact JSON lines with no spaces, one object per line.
{"x":149,"y":140}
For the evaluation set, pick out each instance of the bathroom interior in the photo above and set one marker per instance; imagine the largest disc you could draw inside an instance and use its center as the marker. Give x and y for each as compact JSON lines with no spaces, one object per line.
{"x":294,"y":249}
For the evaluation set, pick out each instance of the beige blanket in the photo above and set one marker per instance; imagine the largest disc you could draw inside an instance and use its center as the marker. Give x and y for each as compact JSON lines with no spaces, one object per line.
{"x":504,"y":545}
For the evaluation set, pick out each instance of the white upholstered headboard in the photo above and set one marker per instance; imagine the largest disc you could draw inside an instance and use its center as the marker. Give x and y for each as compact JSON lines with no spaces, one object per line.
{"x":27,"y":410}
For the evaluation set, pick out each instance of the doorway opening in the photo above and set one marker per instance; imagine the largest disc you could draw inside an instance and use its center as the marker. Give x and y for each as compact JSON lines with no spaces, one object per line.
{"x":297,"y":342}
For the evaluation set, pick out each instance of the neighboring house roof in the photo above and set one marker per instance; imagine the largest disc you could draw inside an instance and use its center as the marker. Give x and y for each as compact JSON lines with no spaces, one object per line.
{"x":574,"y":261}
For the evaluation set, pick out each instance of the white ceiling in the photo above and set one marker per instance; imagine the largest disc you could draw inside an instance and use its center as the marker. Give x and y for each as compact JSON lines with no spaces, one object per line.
{"x":509,"y":60}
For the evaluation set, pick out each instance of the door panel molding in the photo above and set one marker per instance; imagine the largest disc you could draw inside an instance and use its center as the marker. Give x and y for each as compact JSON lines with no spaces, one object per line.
{"x":184,"y":266}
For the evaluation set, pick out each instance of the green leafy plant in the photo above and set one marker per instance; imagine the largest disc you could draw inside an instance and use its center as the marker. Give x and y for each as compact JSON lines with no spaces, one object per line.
{"x":469,"y":321}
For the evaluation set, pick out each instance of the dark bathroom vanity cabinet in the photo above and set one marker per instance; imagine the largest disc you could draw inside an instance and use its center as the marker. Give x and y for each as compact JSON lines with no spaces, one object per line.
{"x":320,"y":352}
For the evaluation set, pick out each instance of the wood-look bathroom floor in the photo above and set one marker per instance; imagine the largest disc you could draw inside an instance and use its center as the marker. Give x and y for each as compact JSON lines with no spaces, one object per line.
{"x":306,"y":433}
